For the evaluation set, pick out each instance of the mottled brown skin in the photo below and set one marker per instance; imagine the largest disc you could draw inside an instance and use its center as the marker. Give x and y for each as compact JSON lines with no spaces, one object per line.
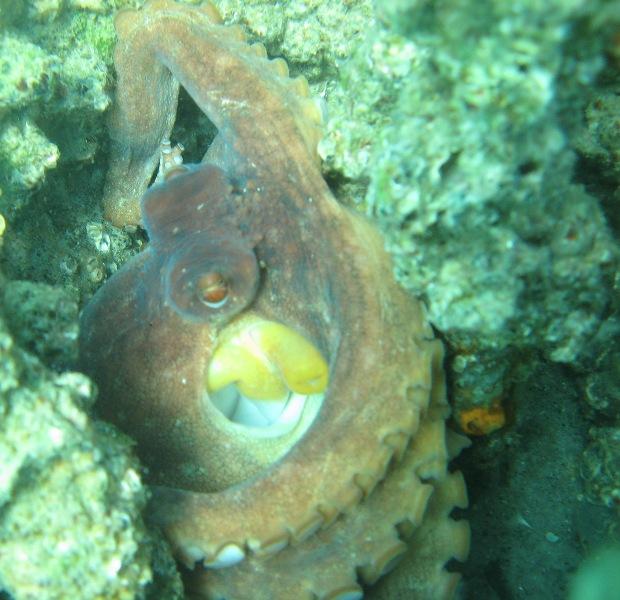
{"x":258,"y":208}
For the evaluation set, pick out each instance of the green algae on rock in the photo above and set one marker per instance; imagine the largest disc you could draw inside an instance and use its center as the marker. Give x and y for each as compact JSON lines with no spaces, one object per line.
{"x":44,"y":319}
{"x":70,"y":493}
{"x":600,"y":466}
{"x":54,"y":70}
{"x":466,"y":114}
{"x":314,"y":35}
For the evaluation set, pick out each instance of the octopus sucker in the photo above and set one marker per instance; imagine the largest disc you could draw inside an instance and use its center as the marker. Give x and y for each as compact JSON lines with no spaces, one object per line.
{"x":307,"y":529}
{"x":228,"y":555}
{"x":301,"y":86}
{"x":236,"y":33}
{"x":397,"y":441}
{"x":379,"y":545}
{"x":210,"y":11}
{"x":385,"y":558}
{"x":279,"y":66}
{"x":286,"y":395}
{"x":258,"y":49}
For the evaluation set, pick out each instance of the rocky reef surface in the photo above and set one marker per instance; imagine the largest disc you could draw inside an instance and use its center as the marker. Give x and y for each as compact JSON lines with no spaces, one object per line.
{"x":483,"y":138}
{"x":70,"y":493}
{"x":467,"y":143}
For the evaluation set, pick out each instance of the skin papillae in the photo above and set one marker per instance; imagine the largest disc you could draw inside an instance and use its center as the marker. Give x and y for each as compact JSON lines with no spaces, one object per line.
{"x":317,"y":515}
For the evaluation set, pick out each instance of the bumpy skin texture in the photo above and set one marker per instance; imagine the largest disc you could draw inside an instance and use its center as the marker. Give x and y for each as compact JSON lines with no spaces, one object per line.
{"x":309,"y":511}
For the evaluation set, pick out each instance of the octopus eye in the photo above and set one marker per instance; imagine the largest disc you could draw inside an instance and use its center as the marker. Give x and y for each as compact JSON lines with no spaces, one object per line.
{"x":208,"y":278}
{"x":212,"y":289}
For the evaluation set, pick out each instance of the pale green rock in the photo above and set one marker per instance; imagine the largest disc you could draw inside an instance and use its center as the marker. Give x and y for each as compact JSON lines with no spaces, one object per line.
{"x":70,"y":493}
{"x":313,"y":36}
{"x":43,"y":319}
{"x":54,"y":67}
{"x":600,"y":466}
{"x":26,"y":154}
{"x":459,"y":118}
{"x":23,"y":69}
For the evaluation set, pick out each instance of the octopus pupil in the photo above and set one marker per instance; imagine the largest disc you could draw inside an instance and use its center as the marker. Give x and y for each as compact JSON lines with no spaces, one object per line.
{"x":213,"y":289}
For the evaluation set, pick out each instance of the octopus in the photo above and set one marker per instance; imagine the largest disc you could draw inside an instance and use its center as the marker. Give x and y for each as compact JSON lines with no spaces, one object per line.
{"x":286,"y":396}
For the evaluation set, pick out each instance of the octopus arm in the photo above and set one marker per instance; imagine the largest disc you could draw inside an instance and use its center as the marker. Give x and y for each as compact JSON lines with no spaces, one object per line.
{"x":259,"y":112}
